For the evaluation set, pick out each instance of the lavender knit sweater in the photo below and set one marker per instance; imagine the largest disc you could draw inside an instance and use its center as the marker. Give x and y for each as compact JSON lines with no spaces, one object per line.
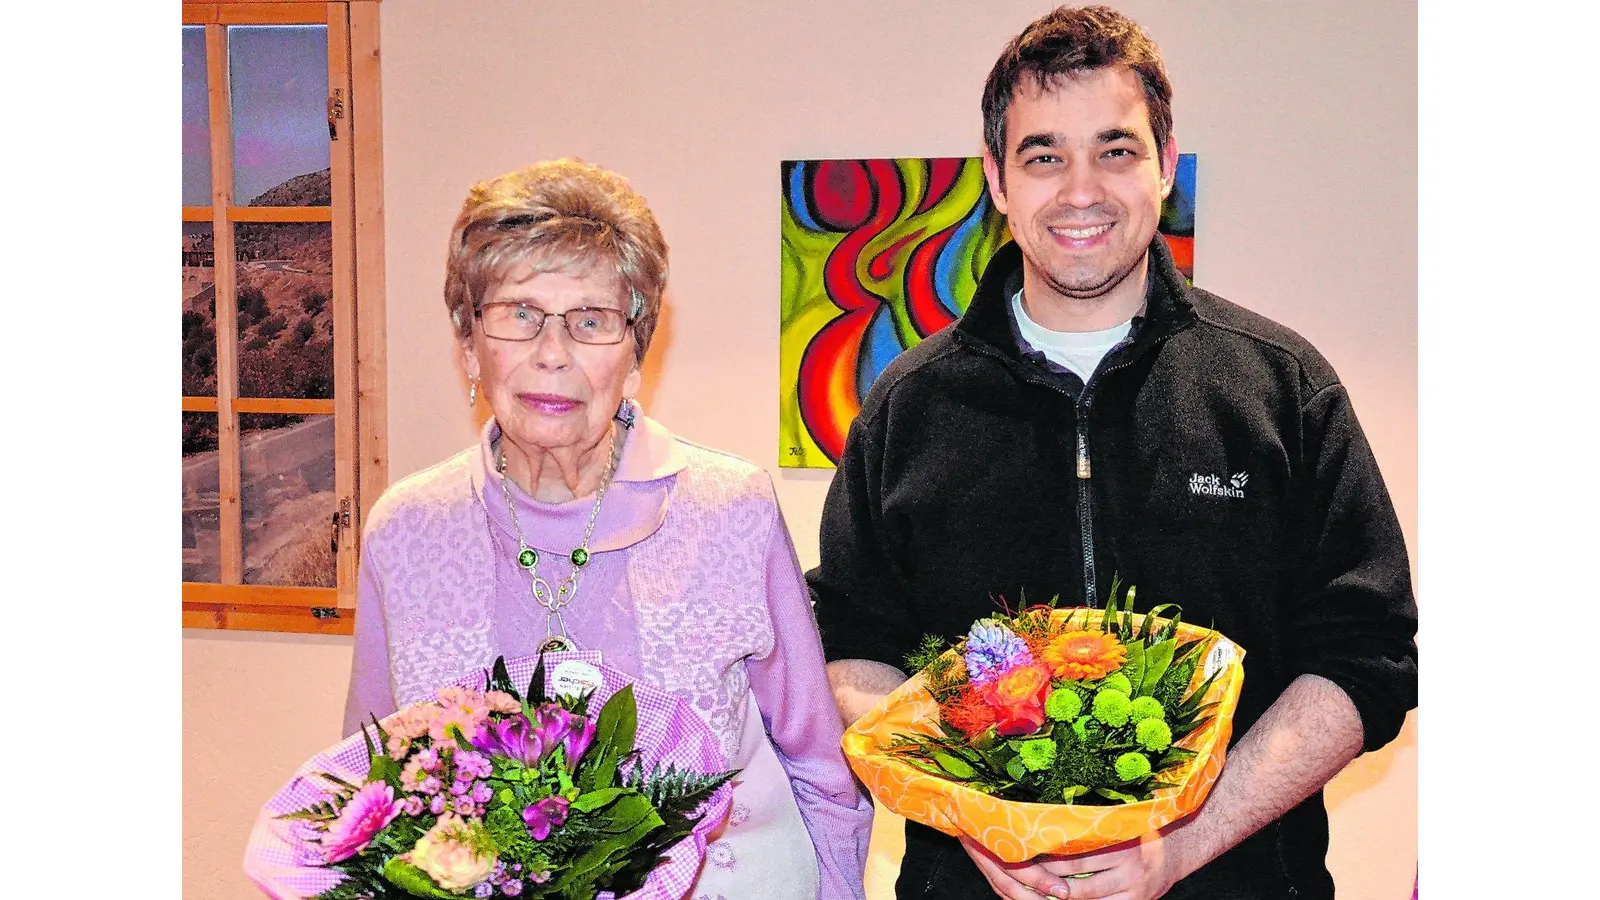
{"x":692,"y":585}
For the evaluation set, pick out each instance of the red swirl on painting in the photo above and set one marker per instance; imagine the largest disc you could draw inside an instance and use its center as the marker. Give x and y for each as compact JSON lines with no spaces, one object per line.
{"x":922,"y":301}
{"x":827,"y":388}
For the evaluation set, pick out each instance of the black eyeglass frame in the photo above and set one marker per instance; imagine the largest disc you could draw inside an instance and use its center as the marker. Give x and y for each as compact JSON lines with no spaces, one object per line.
{"x":627,"y":321}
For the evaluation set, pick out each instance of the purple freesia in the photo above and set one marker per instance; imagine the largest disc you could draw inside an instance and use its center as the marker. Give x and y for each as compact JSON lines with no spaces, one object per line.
{"x":507,"y":738}
{"x":543,"y":815}
{"x":367,"y":813}
{"x":580,"y":733}
{"x":528,"y":740}
{"x":517,"y":738}
{"x":552,"y":725}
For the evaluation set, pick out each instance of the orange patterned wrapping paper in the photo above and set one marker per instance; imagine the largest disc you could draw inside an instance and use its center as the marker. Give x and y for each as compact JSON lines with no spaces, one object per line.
{"x":1015,"y":831}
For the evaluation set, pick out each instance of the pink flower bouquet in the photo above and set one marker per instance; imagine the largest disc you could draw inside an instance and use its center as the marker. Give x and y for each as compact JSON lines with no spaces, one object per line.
{"x":604,"y":789}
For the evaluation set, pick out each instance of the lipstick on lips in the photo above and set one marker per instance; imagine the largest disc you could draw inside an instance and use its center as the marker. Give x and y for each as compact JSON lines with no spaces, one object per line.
{"x":549,"y":404}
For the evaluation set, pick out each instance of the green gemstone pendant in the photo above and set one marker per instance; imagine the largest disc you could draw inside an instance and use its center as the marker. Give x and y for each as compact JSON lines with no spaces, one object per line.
{"x":528,"y":558}
{"x":580,"y":556}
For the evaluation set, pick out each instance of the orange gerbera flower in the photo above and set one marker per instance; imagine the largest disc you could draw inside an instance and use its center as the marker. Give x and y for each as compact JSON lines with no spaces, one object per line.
{"x":1084,"y":655}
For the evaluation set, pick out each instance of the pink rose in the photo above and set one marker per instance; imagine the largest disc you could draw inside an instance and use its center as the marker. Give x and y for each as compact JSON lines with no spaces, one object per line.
{"x":456,"y":854}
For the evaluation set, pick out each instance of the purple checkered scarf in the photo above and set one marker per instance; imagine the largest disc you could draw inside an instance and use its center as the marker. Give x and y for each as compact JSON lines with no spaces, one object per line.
{"x":668,"y":733}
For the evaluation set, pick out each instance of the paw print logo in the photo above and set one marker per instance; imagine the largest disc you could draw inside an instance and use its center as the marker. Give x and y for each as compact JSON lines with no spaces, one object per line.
{"x":1238,"y":480}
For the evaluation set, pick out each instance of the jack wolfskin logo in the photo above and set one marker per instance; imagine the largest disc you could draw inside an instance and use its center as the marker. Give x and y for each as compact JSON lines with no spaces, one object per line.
{"x":1214,"y":486}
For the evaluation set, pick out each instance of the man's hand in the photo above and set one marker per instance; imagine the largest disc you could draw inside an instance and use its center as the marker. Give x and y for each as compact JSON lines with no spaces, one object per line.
{"x":1135,"y":870}
{"x":1308,"y":734}
{"x":858,"y":685}
{"x":1017,"y":881}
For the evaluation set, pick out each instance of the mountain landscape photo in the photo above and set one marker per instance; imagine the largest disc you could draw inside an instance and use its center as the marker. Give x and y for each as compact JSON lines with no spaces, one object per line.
{"x":285,"y":324}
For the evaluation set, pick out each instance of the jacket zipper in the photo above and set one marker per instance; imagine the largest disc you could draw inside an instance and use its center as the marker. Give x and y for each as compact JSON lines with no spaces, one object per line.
{"x":1091,"y":589}
{"x":1277,"y":851}
{"x":1083,"y":468}
{"x":1086,"y":500}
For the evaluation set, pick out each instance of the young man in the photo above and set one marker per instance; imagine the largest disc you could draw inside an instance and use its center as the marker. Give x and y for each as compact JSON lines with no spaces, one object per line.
{"x":1090,"y":415}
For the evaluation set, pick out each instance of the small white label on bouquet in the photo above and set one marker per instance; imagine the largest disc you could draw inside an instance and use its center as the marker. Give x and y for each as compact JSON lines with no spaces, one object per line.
{"x":574,"y":677}
{"x":1221,"y":654}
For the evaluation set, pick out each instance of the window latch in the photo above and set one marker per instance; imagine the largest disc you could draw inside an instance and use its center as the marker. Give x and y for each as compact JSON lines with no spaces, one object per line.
{"x":335,"y":112}
{"x":341,"y":520}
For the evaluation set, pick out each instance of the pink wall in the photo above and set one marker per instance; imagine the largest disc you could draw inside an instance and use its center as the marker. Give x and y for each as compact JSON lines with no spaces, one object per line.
{"x":1303,"y":116}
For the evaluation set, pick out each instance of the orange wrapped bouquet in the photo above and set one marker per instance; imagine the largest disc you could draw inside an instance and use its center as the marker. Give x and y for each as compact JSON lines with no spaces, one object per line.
{"x":1055,"y":731}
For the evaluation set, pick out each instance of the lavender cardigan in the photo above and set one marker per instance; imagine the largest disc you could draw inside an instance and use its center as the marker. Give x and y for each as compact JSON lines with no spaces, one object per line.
{"x":692,"y":585}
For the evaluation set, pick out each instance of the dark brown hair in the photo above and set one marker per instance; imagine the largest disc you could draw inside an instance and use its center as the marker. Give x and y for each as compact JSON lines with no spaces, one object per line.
{"x":1063,"y":43}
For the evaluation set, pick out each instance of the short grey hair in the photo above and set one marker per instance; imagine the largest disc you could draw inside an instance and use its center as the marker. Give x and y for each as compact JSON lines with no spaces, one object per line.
{"x":562,"y":215}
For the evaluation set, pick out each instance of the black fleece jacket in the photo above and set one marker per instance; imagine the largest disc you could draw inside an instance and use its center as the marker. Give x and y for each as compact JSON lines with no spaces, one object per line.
{"x":1213,"y":460}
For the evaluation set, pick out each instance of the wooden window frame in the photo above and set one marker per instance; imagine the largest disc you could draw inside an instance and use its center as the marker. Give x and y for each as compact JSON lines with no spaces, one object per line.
{"x":361,"y":421}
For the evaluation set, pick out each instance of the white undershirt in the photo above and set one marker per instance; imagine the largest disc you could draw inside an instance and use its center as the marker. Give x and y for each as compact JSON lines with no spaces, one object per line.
{"x":1078,"y":351}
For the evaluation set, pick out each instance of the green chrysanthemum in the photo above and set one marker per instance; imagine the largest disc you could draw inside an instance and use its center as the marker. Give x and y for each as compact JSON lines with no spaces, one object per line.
{"x":1153,"y":735}
{"x":1038,"y":754}
{"x":1146,"y":708}
{"x":1111,"y":707}
{"x":1063,"y":704}
{"x":1117,"y":681}
{"x":1131,"y":766}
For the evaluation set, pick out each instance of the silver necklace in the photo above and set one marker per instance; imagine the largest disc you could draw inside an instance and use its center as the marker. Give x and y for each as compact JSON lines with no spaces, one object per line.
{"x":557,"y":598}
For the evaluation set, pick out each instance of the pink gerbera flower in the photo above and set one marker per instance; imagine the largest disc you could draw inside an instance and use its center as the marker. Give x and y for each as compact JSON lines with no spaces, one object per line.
{"x":368,"y":812}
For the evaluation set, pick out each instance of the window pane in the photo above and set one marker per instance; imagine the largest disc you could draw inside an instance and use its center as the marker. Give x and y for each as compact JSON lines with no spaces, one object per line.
{"x":286,"y":477}
{"x":196,"y":119}
{"x":202,"y":530}
{"x":199,"y":312}
{"x":279,"y":76}
{"x":285,"y":279}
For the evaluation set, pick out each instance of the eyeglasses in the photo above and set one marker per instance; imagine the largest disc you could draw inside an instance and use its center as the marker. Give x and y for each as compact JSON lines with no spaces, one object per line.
{"x":510,"y":321}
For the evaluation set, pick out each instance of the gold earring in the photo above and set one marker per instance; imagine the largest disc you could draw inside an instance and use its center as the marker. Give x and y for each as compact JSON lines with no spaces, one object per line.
{"x":472,"y":393}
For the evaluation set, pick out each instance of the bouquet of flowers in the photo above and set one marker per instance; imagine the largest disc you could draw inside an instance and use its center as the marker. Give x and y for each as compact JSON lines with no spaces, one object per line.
{"x":484,"y":791}
{"x":1054,"y":730}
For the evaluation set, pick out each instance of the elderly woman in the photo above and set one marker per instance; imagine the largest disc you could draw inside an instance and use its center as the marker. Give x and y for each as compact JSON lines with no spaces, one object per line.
{"x":578,"y":520}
